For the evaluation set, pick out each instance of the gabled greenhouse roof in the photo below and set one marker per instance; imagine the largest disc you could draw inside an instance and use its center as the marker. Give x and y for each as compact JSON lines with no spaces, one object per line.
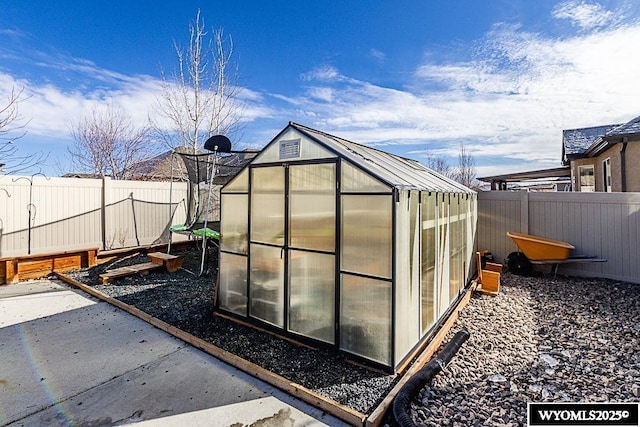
{"x":396,"y":171}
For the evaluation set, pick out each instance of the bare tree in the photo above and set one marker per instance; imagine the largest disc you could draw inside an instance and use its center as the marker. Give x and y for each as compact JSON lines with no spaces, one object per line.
{"x":440,"y":165}
{"x":106,"y":143}
{"x":202,"y":97}
{"x":466,"y":171}
{"x":12,"y":128}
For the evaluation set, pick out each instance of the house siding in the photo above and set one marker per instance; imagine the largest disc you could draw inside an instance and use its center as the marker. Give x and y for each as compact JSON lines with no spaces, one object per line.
{"x":575,"y":172}
{"x":632,"y":156}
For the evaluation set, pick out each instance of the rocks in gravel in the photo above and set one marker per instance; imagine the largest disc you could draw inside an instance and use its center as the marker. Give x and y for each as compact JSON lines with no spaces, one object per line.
{"x":541,"y":339}
{"x":551,"y":339}
{"x":186,"y":302}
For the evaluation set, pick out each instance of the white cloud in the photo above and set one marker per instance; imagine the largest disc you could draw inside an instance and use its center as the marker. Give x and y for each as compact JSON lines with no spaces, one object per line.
{"x":508,"y":103}
{"x":378,"y":55}
{"x":512,"y":100}
{"x":321,"y":93}
{"x":582,"y":14}
{"x":13,"y":33}
{"x":51,"y":110}
{"x":324,"y":72}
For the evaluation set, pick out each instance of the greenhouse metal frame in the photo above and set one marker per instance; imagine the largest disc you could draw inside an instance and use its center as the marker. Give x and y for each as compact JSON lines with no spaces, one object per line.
{"x":341,"y":245}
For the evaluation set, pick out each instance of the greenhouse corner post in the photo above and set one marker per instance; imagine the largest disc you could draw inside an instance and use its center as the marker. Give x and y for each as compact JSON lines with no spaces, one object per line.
{"x":395,"y":200}
{"x":338,"y":254}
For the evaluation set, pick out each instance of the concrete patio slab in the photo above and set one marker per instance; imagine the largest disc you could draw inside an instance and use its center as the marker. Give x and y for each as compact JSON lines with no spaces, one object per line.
{"x":69,"y":359}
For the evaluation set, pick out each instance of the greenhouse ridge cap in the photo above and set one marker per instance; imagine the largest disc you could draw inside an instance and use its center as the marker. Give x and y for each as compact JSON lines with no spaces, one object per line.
{"x":366,"y":147}
{"x":399,"y":172}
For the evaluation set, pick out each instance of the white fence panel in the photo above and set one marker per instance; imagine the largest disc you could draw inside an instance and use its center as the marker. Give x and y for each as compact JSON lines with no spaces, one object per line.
{"x":49,"y":215}
{"x":40,"y":215}
{"x":137,"y":212}
{"x":498,"y":212}
{"x":603,"y":224}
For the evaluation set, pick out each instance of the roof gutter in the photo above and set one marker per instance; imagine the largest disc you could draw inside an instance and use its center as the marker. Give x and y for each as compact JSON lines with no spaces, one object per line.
{"x":623,"y":165}
{"x":598,"y":146}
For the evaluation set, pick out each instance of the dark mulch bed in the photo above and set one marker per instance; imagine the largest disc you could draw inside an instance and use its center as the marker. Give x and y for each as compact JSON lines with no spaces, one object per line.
{"x":185,"y":301}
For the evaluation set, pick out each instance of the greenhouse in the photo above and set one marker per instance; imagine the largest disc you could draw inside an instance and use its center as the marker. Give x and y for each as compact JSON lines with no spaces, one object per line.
{"x":338,"y":244}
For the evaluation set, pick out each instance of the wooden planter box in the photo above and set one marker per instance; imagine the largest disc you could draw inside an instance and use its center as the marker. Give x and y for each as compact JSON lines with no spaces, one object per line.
{"x":12,"y":270}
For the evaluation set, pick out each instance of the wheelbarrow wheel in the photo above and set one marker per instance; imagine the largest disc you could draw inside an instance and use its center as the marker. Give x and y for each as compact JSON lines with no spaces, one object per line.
{"x":518,"y":263}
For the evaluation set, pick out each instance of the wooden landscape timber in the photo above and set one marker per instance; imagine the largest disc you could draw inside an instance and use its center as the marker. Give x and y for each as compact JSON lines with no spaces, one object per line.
{"x":114,"y":254}
{"x":140,"y":269}
{"x":336,"y":409}
{"x":377,"y":416}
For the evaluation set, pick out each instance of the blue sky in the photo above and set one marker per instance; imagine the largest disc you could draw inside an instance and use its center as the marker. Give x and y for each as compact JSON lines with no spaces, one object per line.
{"x":414,"y":78}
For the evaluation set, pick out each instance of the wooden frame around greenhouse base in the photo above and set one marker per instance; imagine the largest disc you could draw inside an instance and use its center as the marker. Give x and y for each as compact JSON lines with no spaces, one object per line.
{"x":377,"y":416}
{"x":328,"y":405}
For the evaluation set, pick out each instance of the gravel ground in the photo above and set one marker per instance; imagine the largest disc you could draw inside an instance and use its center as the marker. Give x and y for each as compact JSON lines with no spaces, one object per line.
{"x":541,"y":339}
{"x":186,"y":302}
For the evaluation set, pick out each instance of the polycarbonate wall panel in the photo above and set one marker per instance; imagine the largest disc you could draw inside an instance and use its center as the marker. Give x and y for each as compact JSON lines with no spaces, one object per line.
{"x":429,"y":249}
{"x":267,"y":284}
{"x":354,"y":180}
{"x":472,"y":218}
{"x":233,"y":283}
{"x":267,"y":205}
{"x":234,"y":226}
{"x":366,"y":234}
{"x":312,"y":206}
{"x":312,"y":295}
{"x":407,"y":276}
{"x":465,"y":217}
{"x":238,"y":184}
{"x":443,"y":254}
{"x":455,"y":247}
{"x":365,"y":317}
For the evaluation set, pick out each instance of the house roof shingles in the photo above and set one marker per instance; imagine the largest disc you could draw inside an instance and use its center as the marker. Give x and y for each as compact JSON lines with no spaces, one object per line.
{"x":577,"y":141}
{"x":586,"y":142}
{"x":629,"y":128}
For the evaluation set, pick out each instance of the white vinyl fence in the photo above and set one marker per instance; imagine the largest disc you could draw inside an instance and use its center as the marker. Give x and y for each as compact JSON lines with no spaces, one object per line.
{"x":40,"y":215}
{"x":603,"y":224}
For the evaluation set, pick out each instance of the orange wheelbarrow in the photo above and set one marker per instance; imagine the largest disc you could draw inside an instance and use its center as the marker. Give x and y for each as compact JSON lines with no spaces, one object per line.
{"x":540,"y":250}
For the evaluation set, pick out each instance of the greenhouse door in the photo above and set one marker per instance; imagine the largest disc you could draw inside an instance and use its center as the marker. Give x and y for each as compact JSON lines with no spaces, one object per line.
{"x":292,"y":258}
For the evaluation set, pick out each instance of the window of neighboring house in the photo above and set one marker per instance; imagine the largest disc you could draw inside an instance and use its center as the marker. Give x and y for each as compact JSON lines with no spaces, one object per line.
{"x":606,"y":170}
{"x":587,"y":178}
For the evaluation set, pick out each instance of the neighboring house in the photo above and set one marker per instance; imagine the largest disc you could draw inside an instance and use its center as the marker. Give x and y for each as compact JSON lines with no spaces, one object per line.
{"x":596,"y":158}
{"x":82,"y":175}
{"x":166,"y":166}
{"x":600,"y":157}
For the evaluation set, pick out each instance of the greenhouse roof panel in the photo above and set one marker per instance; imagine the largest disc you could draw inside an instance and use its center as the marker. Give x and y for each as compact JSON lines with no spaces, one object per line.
{"x":397,"y":171}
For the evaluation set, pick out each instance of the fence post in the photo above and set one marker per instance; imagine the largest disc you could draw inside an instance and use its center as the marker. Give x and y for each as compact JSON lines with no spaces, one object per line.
{"x":524,"y":211}
{"x":106,"y":196}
